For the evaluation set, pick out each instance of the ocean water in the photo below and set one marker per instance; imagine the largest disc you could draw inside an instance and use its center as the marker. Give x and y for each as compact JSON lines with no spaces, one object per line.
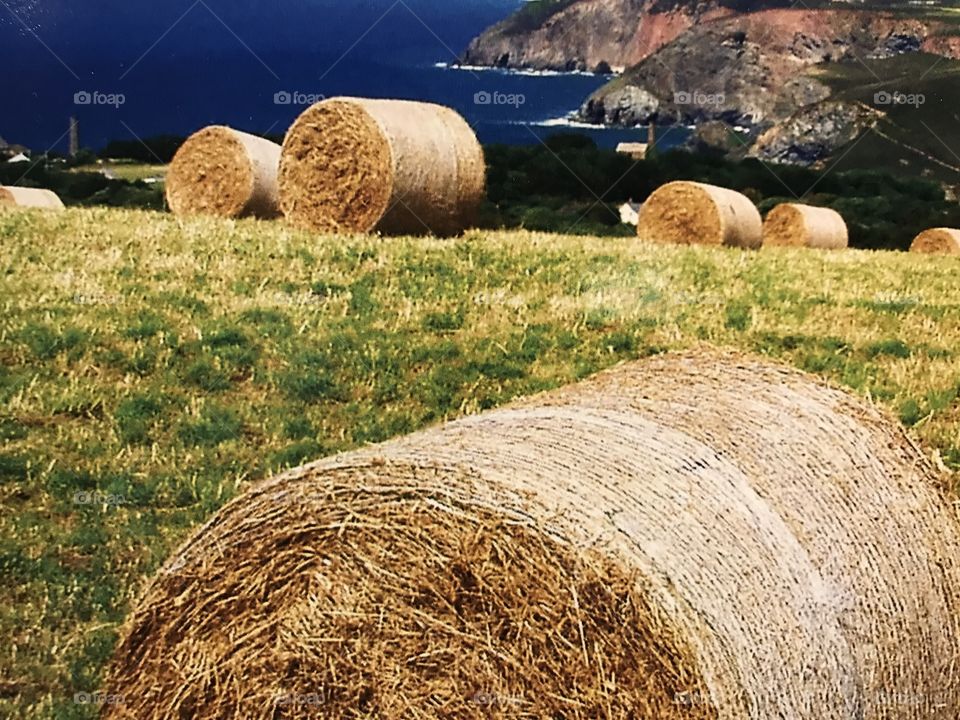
{"x":186,"y":94}
{"x":524,"y":108}
{"x":151,"y":69}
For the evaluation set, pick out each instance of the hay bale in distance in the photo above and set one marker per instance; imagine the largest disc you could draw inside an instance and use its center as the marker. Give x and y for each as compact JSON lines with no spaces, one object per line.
{"x":690,"y":213}
{"x":20,"y":197}
{"x":797,"y":225}
{"x":694,"y":536}
{"x":224,"y":172}
{"x":393,"y":166}
{"x":937,"y":241}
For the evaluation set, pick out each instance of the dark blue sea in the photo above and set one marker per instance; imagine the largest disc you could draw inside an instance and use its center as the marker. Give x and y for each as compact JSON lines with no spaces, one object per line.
{"x":135,"y":69}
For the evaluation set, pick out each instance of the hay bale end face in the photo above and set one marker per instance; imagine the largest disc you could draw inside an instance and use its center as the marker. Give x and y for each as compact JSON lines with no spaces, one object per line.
{"x":937,"y":241}
{"x":224,"y":172}
{"x":693,"y":536}
{"x":392,"y":166}
{"x":21,"y":197}
{"x":797,"y":225}
{"x":691,"y":213}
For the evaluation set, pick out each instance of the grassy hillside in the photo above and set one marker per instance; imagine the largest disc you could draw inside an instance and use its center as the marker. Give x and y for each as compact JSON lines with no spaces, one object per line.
{"x":131,"y":171}
{"x":151,"y":369}
{"x":915,"y":138}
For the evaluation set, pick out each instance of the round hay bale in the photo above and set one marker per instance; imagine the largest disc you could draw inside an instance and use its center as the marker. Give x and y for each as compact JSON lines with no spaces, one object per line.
{"x":695,"y":536}
{"x":692,"y":213}
{"x":392,"y":166}
{"x":796,"y":225}
{"x":225,"y":172}
{"x":21,"y":197}
{"x":937,"y":241}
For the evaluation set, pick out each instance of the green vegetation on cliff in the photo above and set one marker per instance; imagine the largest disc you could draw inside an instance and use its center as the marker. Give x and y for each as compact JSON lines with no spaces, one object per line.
{"x":921,"y":132}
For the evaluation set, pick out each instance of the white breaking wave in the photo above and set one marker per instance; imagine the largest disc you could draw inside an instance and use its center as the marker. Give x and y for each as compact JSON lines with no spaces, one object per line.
{"x":514,"y":71}
{"x":570,"y":122}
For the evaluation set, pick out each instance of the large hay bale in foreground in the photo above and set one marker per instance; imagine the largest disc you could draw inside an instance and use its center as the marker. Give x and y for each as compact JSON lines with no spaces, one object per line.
{"x":797,"y":225}
{"x":224,"y":172}
{"x":695,"y":536}
{"x":20,"y":197}
{"x":937,"y":241}
{"x":692,"y":213}
{"x":393,"y":166}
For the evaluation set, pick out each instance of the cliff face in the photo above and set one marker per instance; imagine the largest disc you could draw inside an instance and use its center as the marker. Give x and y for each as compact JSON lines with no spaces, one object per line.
{"x":582,"y":34}
{"x":752,"y":69}
{"x":814,"y":133}
{"x":699,"y":61}
{"x":586,"y":34}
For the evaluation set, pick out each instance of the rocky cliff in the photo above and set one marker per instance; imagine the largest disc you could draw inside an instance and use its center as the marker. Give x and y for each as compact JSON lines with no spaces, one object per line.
{"x":752,"y":69}
{"x":815,"y":132}
{"x":586,"y":34}
{"x":740,"y":62}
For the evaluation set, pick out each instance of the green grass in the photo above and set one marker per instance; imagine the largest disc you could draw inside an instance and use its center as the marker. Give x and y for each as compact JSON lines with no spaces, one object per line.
{"x":533,"y":14}
{"x":125,"y":170}
{"x":152,"y":368}
{"x":931,"y":127}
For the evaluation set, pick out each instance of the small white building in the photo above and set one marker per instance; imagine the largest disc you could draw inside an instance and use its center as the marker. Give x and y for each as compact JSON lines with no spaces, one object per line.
{"x":19,"y":158}
{"x":638,"y":151}
{"x":630,"y":213}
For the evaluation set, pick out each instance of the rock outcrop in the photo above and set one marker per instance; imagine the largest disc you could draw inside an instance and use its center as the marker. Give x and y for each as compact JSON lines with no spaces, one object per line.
{"x":751,"y":69}
{"x":584,"y":34}
{"x":814,"y":133}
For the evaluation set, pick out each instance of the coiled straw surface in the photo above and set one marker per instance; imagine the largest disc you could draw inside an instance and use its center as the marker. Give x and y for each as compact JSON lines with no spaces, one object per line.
{"x":797,"y":225}
{"x":937,"y":241}
{"x":692,"y":213}
{"x":695,"y":536}
{"x":21,"y":197}
{"x":224,"y":172}
{"x":392,"y":166}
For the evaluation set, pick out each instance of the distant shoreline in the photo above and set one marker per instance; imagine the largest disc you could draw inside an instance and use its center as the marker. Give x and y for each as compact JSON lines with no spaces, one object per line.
{"x":524,"y":72}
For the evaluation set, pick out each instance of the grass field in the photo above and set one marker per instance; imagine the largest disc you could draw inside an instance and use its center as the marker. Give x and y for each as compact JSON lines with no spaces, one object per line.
{"x":127,"y":170}
{"x":152,"y":368}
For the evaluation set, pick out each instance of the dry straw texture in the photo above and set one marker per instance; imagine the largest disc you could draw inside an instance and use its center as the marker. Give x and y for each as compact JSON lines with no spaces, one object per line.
{"x":224,"y":172}
{"x":937,"y":241}
{"x":13,"y":197}
{"x":696,"y":536}
{"x":691,"y":213}
{"x":397,"y":167}
{"x":796,"y":225}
